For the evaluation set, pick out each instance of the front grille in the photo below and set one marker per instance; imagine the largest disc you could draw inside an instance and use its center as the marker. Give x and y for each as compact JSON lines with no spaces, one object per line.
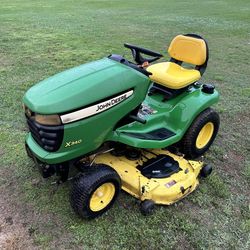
{"x":48,"y":137}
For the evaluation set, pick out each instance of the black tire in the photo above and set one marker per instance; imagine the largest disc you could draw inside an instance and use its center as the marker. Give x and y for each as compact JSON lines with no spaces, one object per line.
{"x":85,"y":186}
{"x":188,"y":143}
{"x":28,"y":151}
{"x":206,"y":171}
{"x":147,"y":207}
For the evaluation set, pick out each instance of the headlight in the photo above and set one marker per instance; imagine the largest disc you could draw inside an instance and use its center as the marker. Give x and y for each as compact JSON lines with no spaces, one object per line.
{"x":42,"y":119}
{"x":27,"y":111}
{"x":48,"y":119}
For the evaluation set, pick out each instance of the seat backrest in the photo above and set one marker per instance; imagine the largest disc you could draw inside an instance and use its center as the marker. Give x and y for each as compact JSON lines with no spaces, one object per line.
{"x":189,"y":49}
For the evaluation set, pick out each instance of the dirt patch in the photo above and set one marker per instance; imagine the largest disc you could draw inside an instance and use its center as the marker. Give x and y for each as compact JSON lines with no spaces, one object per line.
{"x":183,"y":243}
{"x":13,"y":234}
{"x":233,"y":162}
{"x":22,"y":226}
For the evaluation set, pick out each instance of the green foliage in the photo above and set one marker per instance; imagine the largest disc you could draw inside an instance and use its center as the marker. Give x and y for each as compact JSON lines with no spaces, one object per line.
{"x":218,"y":187}
{"x":42,"y":240}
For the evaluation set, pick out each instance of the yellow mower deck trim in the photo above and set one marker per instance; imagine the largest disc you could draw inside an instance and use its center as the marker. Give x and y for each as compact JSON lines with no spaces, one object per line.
{"x":161,"y":190}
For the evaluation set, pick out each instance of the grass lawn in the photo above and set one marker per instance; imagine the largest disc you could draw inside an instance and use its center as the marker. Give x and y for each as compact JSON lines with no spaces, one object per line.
{"x":41,"y":38}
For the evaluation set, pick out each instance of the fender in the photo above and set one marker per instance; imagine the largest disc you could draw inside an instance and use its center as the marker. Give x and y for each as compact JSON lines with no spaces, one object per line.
{"x":175,"y":115}
{"x":185,"y":111}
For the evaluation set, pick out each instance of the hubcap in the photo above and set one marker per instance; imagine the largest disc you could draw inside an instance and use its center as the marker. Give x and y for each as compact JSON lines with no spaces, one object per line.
{"x":102,"y":196}
{"x":205,"y":135}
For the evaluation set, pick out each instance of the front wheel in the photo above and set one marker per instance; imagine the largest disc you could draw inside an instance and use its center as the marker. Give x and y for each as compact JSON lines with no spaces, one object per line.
{"x":95,"y":191}
{"x":201,"y":134}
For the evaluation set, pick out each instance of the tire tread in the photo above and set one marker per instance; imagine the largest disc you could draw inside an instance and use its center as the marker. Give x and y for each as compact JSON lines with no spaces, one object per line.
{"x":85,"y":184}
{"x":188,"y":142}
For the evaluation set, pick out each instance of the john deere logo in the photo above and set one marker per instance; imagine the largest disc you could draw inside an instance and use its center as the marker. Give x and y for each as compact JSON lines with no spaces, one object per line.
{"x":110,"y":103}
{"x":72,"y":143}
{"x":95,"y":109}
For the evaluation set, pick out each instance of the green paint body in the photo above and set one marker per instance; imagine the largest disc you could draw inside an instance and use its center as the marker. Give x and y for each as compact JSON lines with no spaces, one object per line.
{"x":93,"y":82}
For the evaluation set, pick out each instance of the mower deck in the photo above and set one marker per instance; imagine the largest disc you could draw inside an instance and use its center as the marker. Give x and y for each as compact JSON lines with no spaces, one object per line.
{"x":164,"y":187}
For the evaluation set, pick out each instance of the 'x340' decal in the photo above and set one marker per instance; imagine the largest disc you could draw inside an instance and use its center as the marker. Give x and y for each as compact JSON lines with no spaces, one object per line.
{"x":72,"y":143}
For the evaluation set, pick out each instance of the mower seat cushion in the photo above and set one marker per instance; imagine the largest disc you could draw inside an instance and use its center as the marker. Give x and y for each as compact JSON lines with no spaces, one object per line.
{"x":172,"y":75}
{"x":188,"y":49}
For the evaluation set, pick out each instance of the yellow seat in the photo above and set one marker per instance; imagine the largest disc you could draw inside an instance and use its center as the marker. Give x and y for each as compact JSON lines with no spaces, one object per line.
{"x":172,"y":75}
{"x":190,"y":49}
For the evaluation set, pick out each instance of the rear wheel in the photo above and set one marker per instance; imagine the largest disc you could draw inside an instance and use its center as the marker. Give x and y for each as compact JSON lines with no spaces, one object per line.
{"x":95,"y":191}
{"x":201,"y":134}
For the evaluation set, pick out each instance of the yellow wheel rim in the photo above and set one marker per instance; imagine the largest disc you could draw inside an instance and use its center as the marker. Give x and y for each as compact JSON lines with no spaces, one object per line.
{"x":205,"y":135}
{"x":102,"y":196}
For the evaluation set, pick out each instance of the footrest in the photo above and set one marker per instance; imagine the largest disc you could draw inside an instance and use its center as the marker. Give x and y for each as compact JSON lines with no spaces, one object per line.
{"x":155,"y":135}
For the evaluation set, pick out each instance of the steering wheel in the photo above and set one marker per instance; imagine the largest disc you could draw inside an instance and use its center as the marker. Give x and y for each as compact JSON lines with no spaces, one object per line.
{"x":139,"y":59}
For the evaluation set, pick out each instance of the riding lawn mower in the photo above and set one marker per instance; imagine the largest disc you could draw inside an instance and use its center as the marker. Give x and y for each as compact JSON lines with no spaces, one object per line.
{"x":126,"y":125}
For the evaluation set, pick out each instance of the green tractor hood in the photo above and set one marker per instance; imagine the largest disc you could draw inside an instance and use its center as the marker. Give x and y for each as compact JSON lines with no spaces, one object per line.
{"x":82,"y":86}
